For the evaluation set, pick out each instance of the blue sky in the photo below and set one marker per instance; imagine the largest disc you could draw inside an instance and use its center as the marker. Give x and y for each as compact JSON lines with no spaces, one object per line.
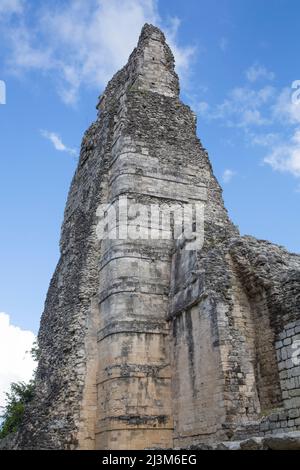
{"x":237,"y":60}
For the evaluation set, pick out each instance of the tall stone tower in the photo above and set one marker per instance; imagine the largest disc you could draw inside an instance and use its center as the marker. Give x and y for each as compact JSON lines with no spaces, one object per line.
{"x":150,"y":341}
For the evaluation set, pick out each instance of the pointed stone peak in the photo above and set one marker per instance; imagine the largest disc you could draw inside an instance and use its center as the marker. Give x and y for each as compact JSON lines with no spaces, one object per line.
{"x":154,"y":63}
{"x":151,"y":31}
{"x":150,"y":68}
{"x":154,"y":48}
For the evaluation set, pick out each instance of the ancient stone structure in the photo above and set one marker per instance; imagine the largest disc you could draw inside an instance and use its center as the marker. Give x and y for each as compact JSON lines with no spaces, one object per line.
{"x":149,"y":342}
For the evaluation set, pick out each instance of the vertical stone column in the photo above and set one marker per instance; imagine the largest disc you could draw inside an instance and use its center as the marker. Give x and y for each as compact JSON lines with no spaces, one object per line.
{"x":133,"y":383}
{"x":134,"y":378}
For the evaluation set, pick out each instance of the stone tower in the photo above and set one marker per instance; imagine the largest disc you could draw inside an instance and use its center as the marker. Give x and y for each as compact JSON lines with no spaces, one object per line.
{"x":150,"y":341}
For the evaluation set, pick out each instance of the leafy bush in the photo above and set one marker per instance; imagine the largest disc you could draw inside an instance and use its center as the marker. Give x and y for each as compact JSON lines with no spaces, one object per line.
{"x":20,"y":394}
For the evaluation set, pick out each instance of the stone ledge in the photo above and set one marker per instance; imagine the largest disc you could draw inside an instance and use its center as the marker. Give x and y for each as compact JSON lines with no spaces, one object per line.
{"x":284,"y":441}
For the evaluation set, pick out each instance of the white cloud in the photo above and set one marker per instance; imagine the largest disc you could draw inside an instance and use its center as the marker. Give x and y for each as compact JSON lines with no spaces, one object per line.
{"x":228,"y":175}
{"x":15,"y":363}
{"x":57,"y":142}
{"x":269,"y":139}
{"x":268,"y":117}
{"x":256,"y":72}
{"x":286,"y":109}
{"x":284,"y":153}
{"x":244,"y":107}
{"x":286,"y":156}
{"x":84,"y":42}
{"x":25,"y":55}
{"x":253,"y":116}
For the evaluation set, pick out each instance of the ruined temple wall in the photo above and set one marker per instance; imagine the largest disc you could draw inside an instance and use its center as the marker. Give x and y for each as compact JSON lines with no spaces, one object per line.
{"x":268,"y":275}
{"x":213,"y":342}
{"x":197,"y":382}
{"x":253,"y":293}
{"x":238,"y":354}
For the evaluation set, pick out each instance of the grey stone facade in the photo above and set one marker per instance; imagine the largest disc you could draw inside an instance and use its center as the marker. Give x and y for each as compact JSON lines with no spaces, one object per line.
{"x":145,"y":342}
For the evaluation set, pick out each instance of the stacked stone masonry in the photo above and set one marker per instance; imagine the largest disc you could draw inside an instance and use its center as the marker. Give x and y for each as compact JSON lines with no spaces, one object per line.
{"x":147,"y":342}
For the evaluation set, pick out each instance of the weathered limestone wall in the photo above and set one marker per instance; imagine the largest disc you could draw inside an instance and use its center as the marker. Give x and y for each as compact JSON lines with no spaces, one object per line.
{"x":271,"y":277}
{"x":250,"y":289}
{"x":197,"y":377}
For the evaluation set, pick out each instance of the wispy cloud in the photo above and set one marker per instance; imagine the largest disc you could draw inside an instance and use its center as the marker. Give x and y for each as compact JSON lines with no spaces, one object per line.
{"x":228,"y":175}
{"x":257,"y":72}
{"x":263,"y":139}
{"x":286,"y":156}
{"x":202,"y":107}
{"x":286,"y":109}
{"x":82,"y":43}
{"x":243,"y":107}
{"x":9,"y":7}
{"x":285,"y":153}
{"x":57,"y":142}
{"x":247,"y":105}
{"x":267,"y":116}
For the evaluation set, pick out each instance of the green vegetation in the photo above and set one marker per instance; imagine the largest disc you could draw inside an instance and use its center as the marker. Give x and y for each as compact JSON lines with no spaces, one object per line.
{"x":16,"y":400}
{"x":20,"y":394}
